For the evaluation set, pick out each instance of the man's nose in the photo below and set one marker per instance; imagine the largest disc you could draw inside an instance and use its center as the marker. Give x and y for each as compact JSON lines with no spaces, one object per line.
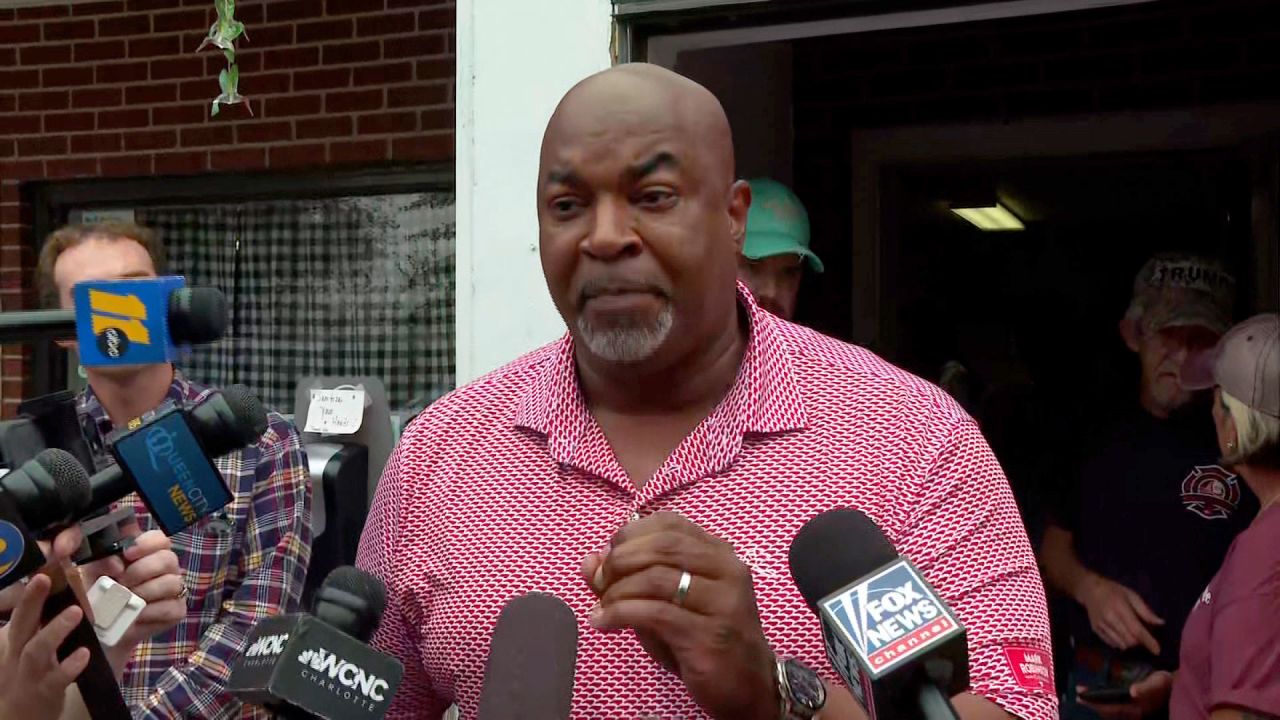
{"x":611,"y":235}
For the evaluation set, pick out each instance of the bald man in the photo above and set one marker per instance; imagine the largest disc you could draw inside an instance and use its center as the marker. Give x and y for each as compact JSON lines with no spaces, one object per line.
{"x":651,"y":467}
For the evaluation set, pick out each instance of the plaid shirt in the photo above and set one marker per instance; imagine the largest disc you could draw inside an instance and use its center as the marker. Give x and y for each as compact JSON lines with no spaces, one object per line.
{"x":246,"y":562}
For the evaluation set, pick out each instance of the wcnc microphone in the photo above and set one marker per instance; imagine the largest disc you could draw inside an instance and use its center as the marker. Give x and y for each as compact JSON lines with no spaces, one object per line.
{"x":898,"y":647}
{"x":320,"y":665}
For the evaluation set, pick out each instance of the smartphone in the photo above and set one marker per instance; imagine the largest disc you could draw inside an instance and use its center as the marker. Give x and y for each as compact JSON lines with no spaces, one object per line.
{"x":1107,"y":695}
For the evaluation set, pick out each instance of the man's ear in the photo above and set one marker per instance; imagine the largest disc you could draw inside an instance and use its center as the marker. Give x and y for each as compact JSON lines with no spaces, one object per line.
{"x":1130,"y":332}
{"x":739,"y":204}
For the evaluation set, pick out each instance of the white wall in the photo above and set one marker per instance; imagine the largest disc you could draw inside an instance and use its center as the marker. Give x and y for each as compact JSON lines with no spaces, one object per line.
{"x":516,"y":59}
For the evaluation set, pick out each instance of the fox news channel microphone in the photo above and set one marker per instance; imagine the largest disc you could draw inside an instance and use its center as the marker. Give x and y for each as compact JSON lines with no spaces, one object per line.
{"x":165,"y":456}
{"x":44,"y":495}
{"x":160,"y":318}
{"x":531,"y":663}
{"x":320,"y":665}
{"x":898,"y":647}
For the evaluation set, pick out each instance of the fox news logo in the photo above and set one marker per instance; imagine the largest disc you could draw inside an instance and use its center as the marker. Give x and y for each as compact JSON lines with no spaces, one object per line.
{"x":890,"y":617}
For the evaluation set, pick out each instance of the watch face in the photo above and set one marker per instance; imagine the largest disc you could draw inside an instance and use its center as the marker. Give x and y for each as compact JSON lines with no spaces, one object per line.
{"x":807,"y":689}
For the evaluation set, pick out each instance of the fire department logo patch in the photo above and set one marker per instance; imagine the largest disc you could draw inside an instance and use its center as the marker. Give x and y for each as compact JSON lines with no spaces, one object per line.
{"x":1211,"y":492}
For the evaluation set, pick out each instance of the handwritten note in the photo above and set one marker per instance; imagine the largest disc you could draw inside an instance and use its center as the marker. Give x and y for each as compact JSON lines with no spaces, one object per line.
{"x":335,"y":412}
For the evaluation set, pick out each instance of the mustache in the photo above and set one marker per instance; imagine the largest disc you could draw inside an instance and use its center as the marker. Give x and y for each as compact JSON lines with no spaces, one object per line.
{"x":596,"y":287}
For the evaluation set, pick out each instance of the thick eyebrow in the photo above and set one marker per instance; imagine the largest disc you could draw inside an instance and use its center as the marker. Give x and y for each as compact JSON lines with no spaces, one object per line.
{"x":650,"y":166}
{"x":563,"y":177}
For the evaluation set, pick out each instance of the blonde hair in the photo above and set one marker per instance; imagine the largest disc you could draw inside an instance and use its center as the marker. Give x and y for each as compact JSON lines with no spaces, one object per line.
{"x":1257,"y":434}
{"x":69,"y":236}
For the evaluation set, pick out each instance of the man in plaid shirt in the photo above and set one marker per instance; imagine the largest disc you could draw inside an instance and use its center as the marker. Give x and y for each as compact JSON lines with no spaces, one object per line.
{"x":246,"y":562}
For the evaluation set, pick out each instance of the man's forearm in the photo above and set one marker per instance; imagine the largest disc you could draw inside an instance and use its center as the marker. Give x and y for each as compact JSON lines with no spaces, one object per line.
{"x":1062,"y":568}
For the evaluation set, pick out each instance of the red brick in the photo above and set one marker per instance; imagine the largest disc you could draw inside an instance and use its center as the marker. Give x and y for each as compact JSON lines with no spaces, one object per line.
{"x":96,"y":144}
{"x":44,"y":54}
{"x":325,"y":30}
{"x":171,"y":68}
{"x":350,"y":7}
{"x":417,"y":95}
{"x":270,"y":36}
{"x":333,"y":126}
{"x":49,"y":100}
{"x":21,"y":124}
{"x":264,"y":84}
{"x":356,"y":52}
{"x":8,"y":148}
{"x":71,"y":167}
{"x":353,"y":101}
{"x":98,"y":97}
{"x":393,"y":4}
{"x":8,"y":103}
{"x":42,"y":145}
{"x":121,"y":72}
{"x":413,"y":46}
{"x":293,"y":10}
{"x":263,"y":132}
{"x":383,"y":74}
{"x":125,"y":25}
{"x":102,"y":50}
{"x":385,"y":24}
{"x":287,"y":58}
{"x":327,"y":79}
{"x":154,"y":46}
{"x":141,"y":5}
{"x":121,"y":119}
{"x":433,"y":147}
{"x":19,"y":79}
{"x":207,"y":136}
{"x":360,"y":151}
{"x":239,"y":159}
{"x":69,"y":30}
{"x":385,"y":123}
{"x":97,"y":8}
{"x":181,"y":163}
{"x":291,"y":156}
{"x":180,"y":21}
{"x":251,"y":14}
{"x":15,"y":34}
{"x":8,"y":57}
{"x":21,"y":169}
{"x":187,"y":114}
{"x":126,"y":165}
{"x":439,"y":19}
{"x":193,"y":90}
{"x":150,"y":93}
{"x":151,"y":140}
{"x":293,"y":105}
{"x":42,"y":12}
{"x":438,"y":119}
{"x":74,"y":76}
{"x":437,"y":69}
{"x":249,"y":62}
{"x":69,"y":122}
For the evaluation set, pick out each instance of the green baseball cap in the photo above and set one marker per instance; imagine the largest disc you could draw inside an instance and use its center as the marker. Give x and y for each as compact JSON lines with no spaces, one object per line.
{"x":777,"y":224}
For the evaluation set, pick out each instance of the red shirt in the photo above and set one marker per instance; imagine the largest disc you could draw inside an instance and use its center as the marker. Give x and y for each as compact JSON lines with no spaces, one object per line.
{"x":503,"y":486}
{"x":1231,"y":643}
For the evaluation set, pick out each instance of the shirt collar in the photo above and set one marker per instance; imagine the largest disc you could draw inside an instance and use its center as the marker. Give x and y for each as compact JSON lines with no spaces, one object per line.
{"x":180,"y":391}
{"x":763,"y":399}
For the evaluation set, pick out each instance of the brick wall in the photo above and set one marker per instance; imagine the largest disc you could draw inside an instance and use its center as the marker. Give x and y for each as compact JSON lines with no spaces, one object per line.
{"x":1162,"y":55}
{"x":115,"y":89}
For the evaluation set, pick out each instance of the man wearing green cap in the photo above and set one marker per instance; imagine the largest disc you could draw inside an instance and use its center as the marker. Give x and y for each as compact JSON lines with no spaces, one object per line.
{"x":776,"y":247}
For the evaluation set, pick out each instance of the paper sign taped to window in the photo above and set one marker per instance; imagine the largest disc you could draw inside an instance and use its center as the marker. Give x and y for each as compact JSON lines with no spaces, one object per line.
{"x":336,"y":412}
{"x":91,"y":217}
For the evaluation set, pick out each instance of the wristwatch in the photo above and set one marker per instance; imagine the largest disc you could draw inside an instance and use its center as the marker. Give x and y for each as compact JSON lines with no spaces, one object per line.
{"x":800,"y":689}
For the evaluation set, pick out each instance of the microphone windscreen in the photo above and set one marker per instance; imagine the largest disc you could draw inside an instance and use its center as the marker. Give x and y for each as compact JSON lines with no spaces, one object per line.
{"x":835,"y":549}
{"x":250,"y":415}
{"x":70,"y":479}
{"x":197,"y":315}
{"x":531,"y":661}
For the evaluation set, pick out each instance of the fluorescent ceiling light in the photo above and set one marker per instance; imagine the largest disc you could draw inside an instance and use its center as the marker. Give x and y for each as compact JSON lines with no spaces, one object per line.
{"x":990,"y":219}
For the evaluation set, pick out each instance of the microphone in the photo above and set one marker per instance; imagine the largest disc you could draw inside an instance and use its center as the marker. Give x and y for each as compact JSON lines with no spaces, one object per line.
{"x":194,"y":316}
{"x":320,"y":665}
{"x":532,"y":656}
{"x":898,"y":647}
{"x":143,"y":321}
{"x":39,"y":498}
{"x":165,"y":456}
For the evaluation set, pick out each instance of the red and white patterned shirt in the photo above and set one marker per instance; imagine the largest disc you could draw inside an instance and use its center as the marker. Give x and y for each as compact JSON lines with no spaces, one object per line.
{"x":503,"y":486}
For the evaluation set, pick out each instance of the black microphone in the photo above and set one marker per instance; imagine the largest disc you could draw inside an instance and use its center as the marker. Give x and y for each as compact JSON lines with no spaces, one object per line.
{"x":42,"y":496}
{"x":166,"y":456}
{"x":320,"y":665}
{"x":196,"y":315}
{"x":898,"y":647}
{"x":532,"y":656}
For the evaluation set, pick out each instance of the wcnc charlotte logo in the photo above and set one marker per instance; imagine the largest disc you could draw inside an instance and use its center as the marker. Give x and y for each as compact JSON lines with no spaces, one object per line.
{"x":890,"y":617}
{"x":118,"y":322}
{"x":12,"y":547}
{"x":352,"y":680}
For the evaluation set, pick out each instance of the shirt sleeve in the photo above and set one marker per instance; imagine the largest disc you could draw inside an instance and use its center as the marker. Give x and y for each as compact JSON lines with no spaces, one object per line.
{"x":1245,"y":654}
{"x":398,"y":634}
{"x":273,"y":568}
{"x":968,"y":540}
